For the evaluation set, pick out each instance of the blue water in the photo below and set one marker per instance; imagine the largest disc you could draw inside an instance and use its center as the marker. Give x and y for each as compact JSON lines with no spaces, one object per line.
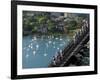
{"x":38,"y":51}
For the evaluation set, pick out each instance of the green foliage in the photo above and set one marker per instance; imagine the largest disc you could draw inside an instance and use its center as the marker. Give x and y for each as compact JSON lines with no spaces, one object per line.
{"x":72,"y":25}
{"x":34,"y":22}
{"x":50,"y":24}
{"x":38,"y":21}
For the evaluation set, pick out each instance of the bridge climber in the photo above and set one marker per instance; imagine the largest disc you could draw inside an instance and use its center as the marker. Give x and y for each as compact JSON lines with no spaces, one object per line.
{"x":79,"y":39}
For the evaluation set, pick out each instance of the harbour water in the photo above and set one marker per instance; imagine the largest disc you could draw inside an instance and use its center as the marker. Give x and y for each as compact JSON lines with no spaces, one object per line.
{"x":38,"y":51}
